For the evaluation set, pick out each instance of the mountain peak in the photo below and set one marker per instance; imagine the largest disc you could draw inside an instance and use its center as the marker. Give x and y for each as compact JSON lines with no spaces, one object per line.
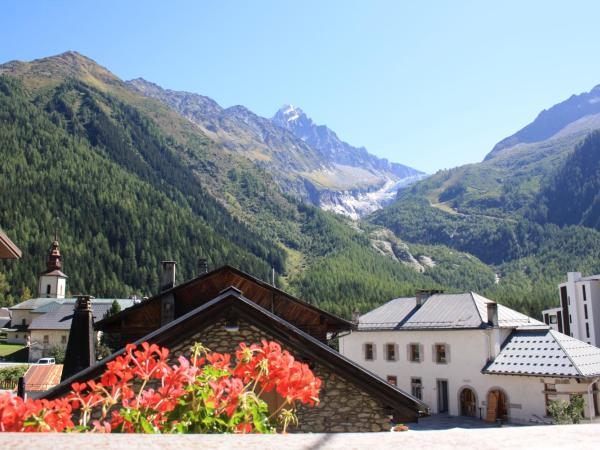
{"x":288,"y":113}
{"x":69,"y":64}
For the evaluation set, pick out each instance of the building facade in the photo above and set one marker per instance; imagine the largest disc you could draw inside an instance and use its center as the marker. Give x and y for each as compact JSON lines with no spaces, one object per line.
{"x":463,"y":354}
{"x":579,"y":312}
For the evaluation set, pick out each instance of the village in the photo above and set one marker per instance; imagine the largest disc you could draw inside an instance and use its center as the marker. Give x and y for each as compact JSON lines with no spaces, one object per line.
{"x":434,"y":355}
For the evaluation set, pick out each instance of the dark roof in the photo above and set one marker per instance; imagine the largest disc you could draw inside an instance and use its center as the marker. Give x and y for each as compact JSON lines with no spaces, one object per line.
{"x":441,"y":311}
{"x":545,"y":352}
{"x":8,"y":249}
{"x":54,"y":272}
{"x":290,"y":336}
{"x":193,"y":293}
{"x":60,"y":318}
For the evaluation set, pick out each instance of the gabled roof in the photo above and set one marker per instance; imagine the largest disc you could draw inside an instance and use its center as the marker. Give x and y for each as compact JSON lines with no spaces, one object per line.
{"x":545,"y":352}
{"x":205,"y":287}
{"x":59,"y":318}
{"x":441,"y":311}
{"x":8,"y":249}
{"x":291,"y":337}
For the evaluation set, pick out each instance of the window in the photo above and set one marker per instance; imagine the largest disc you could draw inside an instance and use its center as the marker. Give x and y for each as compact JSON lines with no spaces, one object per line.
{"x":553,"y":319}
{"x":585,"y":311}
{"x":47,"y":289}
{"x":23,"y":322}
{"x":16,"y":336}
{"x":390,"y":352}
{"x":63,"y":339}
{"x":414,"y":353}
{"x":46,"y":339}
{"x":570,"y":321}
{"x":416,"y":388}
{"x":392,"y":379}
{"x":583,"y":290}
{"x":441,"y":353}
{"x":587,"y":330}
{"x":369,"y":352}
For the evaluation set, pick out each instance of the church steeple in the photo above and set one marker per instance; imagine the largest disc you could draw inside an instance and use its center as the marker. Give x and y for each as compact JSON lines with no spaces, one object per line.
{"x":52,"y":282}
{"x":54,"y":262}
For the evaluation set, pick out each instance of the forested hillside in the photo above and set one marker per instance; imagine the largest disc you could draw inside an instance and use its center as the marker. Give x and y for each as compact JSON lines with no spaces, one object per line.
{"x":128,"y":183}
{"x":572,"y":195}
{"x":530,"y":210}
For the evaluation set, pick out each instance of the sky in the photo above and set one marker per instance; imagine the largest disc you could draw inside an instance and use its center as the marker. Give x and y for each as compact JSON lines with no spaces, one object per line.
{"x":430,"y":84}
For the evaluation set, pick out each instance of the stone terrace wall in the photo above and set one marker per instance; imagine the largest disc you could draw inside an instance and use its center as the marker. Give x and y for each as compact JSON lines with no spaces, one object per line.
{"x":344,"y":407}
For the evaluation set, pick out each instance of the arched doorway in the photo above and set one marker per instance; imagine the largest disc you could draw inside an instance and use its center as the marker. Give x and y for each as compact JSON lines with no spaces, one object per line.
{"x":497,"y":405}
{"x":468,"y":403}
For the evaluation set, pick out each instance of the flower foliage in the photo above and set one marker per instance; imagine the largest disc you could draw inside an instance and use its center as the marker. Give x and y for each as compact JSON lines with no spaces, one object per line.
{"x":140,"y":392}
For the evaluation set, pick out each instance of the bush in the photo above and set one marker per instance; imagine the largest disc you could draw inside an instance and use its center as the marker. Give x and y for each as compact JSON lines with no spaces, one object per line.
{"x":563,"y":412}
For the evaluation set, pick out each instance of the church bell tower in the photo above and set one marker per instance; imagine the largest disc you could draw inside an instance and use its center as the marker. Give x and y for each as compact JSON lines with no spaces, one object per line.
{"x":52,"y":282}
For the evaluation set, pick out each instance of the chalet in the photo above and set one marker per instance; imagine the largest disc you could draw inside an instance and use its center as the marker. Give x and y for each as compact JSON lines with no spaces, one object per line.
{"x":464,"y":354}
{"x":225,"y":307}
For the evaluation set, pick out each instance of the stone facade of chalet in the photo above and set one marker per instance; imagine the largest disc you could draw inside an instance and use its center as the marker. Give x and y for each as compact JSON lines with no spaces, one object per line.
{"x":344,"y":407}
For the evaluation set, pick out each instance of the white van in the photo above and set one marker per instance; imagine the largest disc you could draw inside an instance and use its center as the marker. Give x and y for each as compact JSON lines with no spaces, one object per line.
{"x":46,"y":361}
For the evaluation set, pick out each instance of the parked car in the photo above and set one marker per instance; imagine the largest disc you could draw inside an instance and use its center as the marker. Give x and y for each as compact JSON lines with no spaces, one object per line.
{"x":46,"y":361}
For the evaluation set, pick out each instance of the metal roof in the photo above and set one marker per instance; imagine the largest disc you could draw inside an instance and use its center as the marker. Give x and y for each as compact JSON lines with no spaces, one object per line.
{"x":441,"y":311}
{"x":60,"y":318}
{"x":545,"y":353}
{"x":41,"y":377}
{"x":34,"y":303}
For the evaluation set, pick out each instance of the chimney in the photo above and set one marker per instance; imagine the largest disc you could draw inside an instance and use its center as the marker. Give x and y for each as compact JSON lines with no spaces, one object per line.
{"x":492,"y":314}
{"x":423,"y":294}
{"x":202,"y":266}
{"x":355,"y":317}
{"x":167,"y":280}
{"x":80,"y":353}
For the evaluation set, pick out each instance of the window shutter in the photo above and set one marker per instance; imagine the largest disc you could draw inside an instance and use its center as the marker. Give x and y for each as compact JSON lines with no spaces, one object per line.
{"x":433,"y":353}
{"x":397,"y":351}
{"x":408,"y":352}
{"x":447,"y":354}
{"x":374,"y":352}
{"x":421,"y":352}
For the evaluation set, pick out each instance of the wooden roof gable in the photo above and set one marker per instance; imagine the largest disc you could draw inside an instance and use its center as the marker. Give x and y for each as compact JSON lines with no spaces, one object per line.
{"x":145,"y":317}
{"x":231,"y":303}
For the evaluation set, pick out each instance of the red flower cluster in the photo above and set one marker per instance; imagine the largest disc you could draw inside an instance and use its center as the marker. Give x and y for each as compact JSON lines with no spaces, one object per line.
{"x":141,"y":392}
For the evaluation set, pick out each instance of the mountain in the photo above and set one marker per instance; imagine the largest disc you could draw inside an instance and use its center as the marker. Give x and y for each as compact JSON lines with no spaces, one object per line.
{"x":328,"y":173}
{"x":529,"y":210}
{"x":572,"y":195}
{"x":572,"y":116}
{"x":128,"y":182}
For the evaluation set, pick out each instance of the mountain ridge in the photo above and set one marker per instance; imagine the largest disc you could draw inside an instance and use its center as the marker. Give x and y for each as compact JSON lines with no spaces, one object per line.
{"x":355,"y":184}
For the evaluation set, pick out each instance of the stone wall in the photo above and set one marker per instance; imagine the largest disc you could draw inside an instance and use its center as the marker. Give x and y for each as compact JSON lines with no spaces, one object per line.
{"x":344,"y":407}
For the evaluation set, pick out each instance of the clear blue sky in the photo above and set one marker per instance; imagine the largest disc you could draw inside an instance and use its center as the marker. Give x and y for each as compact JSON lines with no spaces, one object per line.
{"x":429,"y":84}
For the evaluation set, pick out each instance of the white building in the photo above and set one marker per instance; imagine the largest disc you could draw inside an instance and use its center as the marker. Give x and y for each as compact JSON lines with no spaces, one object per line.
{"x":579,"y":312}
{"x":43,"y":323}
{"x":463,"y":354}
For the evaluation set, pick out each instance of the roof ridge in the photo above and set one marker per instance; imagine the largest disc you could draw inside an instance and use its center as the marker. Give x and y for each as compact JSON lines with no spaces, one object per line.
{"x":472,"y":293}
{"x":565,"y":351}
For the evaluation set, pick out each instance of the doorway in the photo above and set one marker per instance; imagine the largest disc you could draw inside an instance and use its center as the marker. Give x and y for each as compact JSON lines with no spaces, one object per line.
{"x":468,"y":403}
{"x":497,"y":406}
{"x":442,"y":391}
